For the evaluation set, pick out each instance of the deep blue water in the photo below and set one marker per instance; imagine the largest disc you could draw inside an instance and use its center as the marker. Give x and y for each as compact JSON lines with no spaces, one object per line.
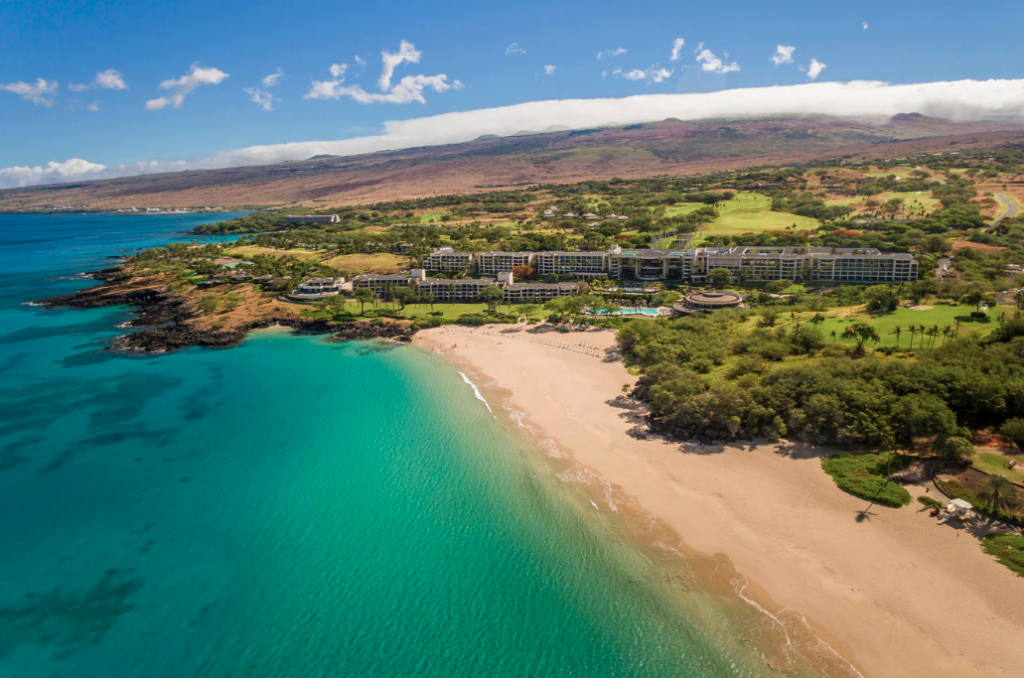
{"x":291,"y":507}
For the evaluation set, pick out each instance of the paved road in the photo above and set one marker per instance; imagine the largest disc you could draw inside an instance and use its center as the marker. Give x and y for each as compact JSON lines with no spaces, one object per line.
{"x":1011,"y":207}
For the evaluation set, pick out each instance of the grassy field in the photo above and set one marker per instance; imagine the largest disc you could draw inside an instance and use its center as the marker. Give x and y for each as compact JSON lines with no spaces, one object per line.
{"x":914,"y":199}
{"x":683,"y":208}
{"x":251,"y":250}
{"x":993,"y":463}
{"x":367,"y":262}
{"x":751,"y":213}
{"x":939,"y":314}
{"x":842,"y":202}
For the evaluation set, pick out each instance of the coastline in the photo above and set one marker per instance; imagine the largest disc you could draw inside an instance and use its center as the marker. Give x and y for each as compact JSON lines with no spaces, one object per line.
{"x":168,"y":321}
{"x":888,"y":591}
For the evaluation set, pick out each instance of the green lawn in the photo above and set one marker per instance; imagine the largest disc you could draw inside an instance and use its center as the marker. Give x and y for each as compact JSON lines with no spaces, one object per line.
{"x":751,"y":212}
{"x":841,"y":202}
{"x":913,"y":199}
{"x":683,"y":208}
{"x":940,"y":314}
{"x":993,"y":463}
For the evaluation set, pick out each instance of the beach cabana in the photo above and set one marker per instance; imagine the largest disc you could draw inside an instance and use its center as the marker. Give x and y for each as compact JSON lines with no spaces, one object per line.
{"x":958,"y":508}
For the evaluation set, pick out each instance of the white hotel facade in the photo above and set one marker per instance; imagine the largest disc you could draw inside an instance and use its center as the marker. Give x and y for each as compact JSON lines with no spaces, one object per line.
{"x":811,"y":264}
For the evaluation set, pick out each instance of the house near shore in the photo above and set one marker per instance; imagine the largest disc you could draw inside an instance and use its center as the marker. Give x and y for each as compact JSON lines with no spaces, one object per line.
{"x":319,"y":288}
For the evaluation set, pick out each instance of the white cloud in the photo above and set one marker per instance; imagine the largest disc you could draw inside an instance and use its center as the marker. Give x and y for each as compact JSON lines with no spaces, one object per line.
{"x":261,"y":97}
{"x":549,"y":70}
{"x":94,"y":106}
{"x":407,"y":53}
{"x":712,"y":64}
{"x":273,"y":79}
{"x":74,"y":169}
{"x":652,"y":74}
{"x":783,"y":54}
{"x":359,"y":60}
{"x":957,"y":100}
{"x":814,"y":69}
{"x":110,"y":79}
{"x":611,"y":53}
{"x":185,"y":85}
{"x":41,"y":93}
{"x":864,"y":25}
{"x":677,"y":47}
{"x":408,"y":89}
{"x":514,"y":49}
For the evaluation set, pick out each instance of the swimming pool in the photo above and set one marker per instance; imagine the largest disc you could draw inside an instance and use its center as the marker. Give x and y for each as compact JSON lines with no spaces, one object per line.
{"x":653,"y":312}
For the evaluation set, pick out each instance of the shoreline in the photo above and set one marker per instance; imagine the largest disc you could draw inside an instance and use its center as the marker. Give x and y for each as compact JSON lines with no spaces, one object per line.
{"x":888,"y":591}
{"x":165,"y":321}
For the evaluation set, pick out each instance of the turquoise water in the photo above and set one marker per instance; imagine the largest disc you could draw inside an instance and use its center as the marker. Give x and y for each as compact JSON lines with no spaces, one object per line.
{"x":292,"y":507}
{"x":629,"y":311}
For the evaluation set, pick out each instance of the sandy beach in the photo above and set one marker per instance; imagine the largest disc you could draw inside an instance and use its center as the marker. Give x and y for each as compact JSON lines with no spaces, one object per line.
{"x":890,"y":591}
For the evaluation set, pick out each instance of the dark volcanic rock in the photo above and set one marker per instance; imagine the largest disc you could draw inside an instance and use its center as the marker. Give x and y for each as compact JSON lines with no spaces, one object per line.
{"x":164,"y":317}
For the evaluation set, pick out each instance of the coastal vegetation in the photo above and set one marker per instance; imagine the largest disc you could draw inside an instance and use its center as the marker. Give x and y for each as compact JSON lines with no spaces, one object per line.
{"x":1008,"y":549}
{"x":867,"y":476}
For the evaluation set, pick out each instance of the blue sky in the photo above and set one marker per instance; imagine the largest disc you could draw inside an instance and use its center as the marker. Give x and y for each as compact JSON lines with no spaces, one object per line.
{"x":216,"y":51}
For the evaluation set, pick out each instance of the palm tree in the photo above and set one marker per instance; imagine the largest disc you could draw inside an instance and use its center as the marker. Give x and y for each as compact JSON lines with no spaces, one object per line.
{"x":999,"y":492}
{"x":933,"y":332}
{"x":912,"y":328}
{"x":833,"y":335}
{"x":957,"y":322}
{"x":897,"y":331}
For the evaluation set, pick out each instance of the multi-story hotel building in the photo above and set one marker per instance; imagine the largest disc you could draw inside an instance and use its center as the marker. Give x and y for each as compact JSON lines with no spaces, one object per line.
{"x":463,"y":289}
{"x":815,"y":264}
{"x":493,"y":263}
{"x":579,"y":264}
{"x":448,"y":260}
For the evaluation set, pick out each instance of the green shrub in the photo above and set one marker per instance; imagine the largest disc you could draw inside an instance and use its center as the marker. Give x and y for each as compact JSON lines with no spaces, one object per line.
{"x":930,"y":502}
{"x":1008,"y":549}
{"x":863,"y":475}
{"x":473,"y":319}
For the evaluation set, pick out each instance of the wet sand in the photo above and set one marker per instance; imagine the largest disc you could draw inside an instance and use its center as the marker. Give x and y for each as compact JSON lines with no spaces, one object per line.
{"x":889,"y":591}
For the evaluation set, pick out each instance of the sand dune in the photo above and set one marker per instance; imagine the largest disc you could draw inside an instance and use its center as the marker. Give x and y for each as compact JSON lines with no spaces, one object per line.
{"x":889,"y":590}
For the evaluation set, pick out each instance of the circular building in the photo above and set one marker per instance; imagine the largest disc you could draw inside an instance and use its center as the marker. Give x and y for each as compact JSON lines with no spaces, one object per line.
{"x":709,"y":300}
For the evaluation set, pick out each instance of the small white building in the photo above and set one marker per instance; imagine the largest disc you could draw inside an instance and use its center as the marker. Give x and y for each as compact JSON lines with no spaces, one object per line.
{"x":958,"y":508}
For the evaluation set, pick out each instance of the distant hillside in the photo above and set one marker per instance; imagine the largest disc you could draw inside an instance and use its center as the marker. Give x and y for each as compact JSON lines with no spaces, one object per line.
{"x":667,"y":147}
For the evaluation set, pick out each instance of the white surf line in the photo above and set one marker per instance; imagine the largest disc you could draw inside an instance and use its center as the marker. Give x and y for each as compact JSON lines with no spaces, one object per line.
{"x":740,"y":588}
{"x":476,"y":392}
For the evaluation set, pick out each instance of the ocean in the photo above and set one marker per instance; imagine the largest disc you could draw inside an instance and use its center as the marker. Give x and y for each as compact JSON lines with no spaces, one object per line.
{"x":295,"y":507}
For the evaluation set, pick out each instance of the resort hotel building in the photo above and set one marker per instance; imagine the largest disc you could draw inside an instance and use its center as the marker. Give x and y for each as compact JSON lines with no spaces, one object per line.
{"x":811,"y":264}
{"x":463,"y":289}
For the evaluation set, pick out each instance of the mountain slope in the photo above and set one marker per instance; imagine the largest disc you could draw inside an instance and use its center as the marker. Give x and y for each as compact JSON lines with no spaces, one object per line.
{"x":668,"y":147}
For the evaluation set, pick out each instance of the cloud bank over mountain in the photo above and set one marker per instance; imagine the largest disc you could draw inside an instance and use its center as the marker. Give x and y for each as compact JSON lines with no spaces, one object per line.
{"x":970,"y":100}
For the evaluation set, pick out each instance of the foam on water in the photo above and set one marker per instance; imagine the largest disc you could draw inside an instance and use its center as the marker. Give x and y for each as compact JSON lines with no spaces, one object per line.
{"x":295,"y":508}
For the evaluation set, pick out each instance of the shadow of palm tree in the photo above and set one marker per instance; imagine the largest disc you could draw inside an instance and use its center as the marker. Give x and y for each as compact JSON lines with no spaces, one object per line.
{"x":865,"y":515}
